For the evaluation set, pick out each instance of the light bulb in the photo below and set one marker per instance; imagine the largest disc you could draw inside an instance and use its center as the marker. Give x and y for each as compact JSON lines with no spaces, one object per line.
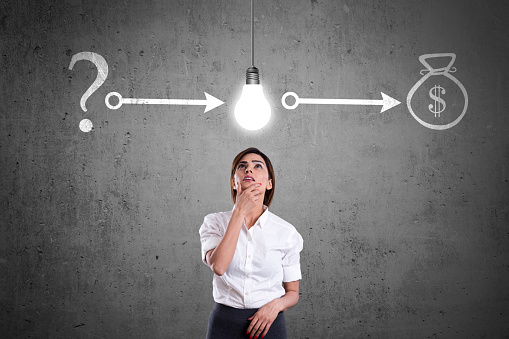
{"x":252,"y":111}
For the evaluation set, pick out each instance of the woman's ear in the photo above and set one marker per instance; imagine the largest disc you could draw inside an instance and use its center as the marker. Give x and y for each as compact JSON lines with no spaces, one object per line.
{"x":269,"y":185}
{"x":233,"y":185}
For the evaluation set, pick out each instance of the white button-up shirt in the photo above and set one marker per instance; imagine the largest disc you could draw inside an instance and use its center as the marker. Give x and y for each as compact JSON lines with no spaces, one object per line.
{"x":266,"y":255}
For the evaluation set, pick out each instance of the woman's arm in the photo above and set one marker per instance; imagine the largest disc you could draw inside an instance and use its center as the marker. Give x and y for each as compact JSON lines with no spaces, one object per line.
{"x":220,"y":257}
{"x":291,"y":296}
{"x":265,"y":316}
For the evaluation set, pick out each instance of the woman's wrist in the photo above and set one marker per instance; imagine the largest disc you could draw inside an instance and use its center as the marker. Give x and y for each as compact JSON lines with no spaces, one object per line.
{"x":241,"y":212}
{"x":287,"y":301}
{"x":277,"y":305}
{"x":280,"y":305}
{"x":238,"y":214}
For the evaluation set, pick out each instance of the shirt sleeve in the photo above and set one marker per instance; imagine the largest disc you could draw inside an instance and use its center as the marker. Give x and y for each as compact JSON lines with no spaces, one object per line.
{"x":291,"y":259}
{"x":210,"y":235}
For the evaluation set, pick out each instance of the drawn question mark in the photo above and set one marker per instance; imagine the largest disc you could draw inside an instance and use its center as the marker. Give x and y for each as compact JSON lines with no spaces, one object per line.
{"x":102,"y":72}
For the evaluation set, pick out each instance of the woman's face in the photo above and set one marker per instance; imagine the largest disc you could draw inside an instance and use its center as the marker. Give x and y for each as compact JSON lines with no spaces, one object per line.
{"x":251,"y":169}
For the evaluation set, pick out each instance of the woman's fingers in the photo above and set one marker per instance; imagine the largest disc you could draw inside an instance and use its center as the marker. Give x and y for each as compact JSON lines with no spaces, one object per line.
{"x":255,"y":193}
{"x":239,"y":189}
{"x":266,"y":330}
{"x":253,"y":186}
{"x":260,"y":324}
{"x":249,"y":188}
{"x":254,"y":327}
{"x":250,"y":191}
{"x":249,"y":196}
{"x":263,"y":329}
{"x":259,"y":330}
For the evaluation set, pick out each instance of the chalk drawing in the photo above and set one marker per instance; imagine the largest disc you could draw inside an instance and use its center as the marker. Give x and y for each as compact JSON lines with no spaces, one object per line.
{"x":86,"y":125}
{"x":210,"y":102}
{"x":102,"y":73}
{"x":439,"y":104}
{"x":387,"y":102}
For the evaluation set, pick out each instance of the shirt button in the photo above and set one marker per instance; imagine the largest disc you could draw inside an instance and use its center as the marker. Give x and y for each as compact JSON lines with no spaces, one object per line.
{"x":249,"y":256}
{"x":247,"y":293}
{"x":247,"y":275}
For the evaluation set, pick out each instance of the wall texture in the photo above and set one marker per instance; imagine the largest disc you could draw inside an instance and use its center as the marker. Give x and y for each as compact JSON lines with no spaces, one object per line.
{"x":406,"y":228}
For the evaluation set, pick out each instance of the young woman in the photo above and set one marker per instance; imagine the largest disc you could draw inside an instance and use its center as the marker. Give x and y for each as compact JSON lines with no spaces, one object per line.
{"x":254,"y":255}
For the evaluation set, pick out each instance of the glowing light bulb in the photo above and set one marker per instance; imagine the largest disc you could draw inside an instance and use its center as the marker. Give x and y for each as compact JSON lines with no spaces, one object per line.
{"x":252,"y":111}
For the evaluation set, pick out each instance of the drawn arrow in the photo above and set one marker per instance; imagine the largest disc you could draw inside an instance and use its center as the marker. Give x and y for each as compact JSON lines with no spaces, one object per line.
{"x":387,"y":102}
{"x":210,"y":102}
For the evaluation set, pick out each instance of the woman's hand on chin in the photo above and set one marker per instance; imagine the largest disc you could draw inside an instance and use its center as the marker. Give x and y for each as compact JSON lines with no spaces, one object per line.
{"x":263,"y":319}
{"x":247,"y":199}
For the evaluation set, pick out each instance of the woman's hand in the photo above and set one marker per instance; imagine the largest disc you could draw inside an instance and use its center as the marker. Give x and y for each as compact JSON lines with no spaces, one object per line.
{"x":263,"y":319}
{"x":265,"y":316}
{"x":247,"y":199}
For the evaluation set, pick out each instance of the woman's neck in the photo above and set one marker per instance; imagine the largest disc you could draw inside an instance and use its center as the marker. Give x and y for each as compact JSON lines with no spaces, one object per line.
{"x":252,"y":217}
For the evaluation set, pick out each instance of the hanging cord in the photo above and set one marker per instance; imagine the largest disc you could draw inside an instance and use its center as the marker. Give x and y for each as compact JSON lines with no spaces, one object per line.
{"x":252,"y":34}
{"x":252,"y":75}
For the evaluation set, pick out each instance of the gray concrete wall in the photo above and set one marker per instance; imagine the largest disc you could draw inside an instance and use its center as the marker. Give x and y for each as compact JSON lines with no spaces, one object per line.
{"x":405,"y":228}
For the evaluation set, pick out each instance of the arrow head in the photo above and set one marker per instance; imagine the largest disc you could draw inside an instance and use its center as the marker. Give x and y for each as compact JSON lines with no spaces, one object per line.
{"x":212,"y":102}
{"x":388,"y":102}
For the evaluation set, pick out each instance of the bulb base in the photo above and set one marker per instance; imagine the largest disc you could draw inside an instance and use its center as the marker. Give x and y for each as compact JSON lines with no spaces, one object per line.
{"x":252,"y":76}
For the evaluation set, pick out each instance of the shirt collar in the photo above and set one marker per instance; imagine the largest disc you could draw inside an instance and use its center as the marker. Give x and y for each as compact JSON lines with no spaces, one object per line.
{"x":262,"y":220}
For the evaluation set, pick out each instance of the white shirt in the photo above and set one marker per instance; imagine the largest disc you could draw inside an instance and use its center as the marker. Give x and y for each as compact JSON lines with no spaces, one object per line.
{"x":266,"y":255}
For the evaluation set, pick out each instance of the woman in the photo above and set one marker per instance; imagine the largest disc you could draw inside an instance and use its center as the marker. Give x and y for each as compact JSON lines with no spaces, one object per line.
{"x":254,"y":256}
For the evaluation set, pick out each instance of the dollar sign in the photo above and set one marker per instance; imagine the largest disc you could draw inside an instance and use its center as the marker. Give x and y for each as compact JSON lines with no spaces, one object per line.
{"x":439,"y":105}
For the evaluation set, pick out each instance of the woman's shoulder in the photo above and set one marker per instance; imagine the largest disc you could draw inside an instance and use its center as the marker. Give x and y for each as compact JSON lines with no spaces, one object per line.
{"x":280,"y":222}
{"x":219,"y":216}
{"x":284,"y":230}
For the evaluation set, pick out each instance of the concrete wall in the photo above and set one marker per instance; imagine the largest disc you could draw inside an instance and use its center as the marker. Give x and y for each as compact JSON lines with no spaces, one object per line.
{"x":405,"y":227}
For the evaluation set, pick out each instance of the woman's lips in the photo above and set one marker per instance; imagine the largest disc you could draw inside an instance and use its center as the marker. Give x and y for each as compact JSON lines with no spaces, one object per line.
{"x":248,"y":178}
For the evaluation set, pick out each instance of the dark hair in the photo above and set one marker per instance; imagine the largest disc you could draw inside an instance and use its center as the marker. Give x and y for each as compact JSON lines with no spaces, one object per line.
{"x":268,"y":193}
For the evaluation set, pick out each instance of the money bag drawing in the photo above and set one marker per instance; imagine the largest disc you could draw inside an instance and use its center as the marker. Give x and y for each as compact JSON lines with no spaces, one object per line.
{"x":437,"y":96}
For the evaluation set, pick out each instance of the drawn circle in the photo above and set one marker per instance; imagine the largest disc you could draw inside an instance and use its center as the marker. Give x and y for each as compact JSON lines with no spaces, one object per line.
{"x":86,"y":125}
{"x":426,"y":124}
{"x":286,"y":95}
{"x":107,"y":100}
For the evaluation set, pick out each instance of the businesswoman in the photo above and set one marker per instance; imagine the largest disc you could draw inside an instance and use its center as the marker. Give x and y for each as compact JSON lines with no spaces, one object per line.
{"x":254,"y":254}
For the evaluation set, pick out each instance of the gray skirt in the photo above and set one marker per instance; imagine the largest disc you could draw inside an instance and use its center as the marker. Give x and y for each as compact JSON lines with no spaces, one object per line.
{"x":226,"y":322}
